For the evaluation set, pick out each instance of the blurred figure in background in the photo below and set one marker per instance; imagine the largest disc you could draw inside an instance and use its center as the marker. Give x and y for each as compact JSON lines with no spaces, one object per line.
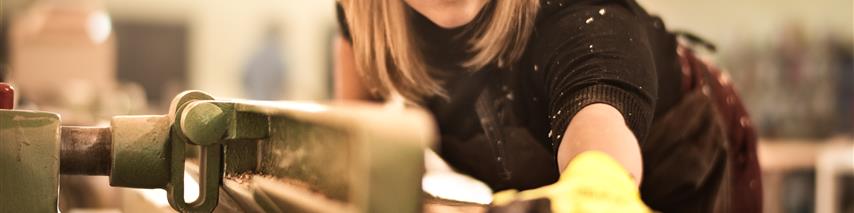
{"x":264,"y":72}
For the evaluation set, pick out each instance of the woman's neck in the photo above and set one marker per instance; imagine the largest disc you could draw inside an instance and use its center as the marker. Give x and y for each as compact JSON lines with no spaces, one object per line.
{"x":448,"y":13}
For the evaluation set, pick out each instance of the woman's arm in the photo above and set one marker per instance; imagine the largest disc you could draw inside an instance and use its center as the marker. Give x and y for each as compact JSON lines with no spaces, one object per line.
{"x":601,"y":127}
{"x":348,"y":84}
{"x":596,"y":151}
{"x":600,"y":80}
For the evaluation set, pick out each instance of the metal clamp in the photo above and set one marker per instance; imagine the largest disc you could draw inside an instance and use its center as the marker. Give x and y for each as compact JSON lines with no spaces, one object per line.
{"x":210,"y":165}
{"x":150,"y":151}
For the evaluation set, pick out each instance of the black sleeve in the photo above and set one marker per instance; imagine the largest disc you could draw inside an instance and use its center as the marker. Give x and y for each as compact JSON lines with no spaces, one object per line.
{"x":597,"y":53}
{"x":342,"y":22}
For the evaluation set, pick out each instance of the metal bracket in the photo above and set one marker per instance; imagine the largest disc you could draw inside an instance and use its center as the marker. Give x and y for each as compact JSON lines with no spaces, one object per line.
{"x":210,"y":165}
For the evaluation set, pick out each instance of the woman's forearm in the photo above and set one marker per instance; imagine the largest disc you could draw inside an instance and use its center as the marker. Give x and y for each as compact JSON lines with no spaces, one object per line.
{"x":601,"y":127}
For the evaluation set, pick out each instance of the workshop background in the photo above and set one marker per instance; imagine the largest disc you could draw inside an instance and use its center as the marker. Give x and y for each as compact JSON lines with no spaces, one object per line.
{"x":791,"y":60}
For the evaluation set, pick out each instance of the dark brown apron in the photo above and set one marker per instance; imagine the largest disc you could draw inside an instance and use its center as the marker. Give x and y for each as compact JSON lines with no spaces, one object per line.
{"x":701,"y":155}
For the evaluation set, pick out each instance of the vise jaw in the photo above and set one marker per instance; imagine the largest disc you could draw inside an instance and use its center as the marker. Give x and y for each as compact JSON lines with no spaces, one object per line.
{"x":361,"y":158}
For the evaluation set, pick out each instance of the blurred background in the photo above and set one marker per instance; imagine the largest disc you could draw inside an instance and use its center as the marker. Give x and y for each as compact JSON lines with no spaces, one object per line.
{"x":791,"y":60}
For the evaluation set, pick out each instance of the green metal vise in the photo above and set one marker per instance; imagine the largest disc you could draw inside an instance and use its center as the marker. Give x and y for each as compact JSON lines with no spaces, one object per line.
{"x":361,"y":158}
{"x":29,"y":158}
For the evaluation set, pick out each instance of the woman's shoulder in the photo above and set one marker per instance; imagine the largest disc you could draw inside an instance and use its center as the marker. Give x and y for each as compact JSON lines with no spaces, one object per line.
{"x":551,"y":7}
{"x":556,"y":11}
{"x":563,"y":23}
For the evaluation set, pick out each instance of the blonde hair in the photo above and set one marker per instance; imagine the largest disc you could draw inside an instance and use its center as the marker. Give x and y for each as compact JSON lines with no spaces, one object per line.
{"x":386,"y":52}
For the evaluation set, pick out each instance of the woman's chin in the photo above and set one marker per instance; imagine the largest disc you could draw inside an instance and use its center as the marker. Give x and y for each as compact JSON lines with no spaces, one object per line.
{"x":449,"y":22}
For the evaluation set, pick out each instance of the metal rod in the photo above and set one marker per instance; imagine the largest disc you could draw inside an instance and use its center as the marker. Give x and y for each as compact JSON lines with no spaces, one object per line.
{"x":85,"y":151}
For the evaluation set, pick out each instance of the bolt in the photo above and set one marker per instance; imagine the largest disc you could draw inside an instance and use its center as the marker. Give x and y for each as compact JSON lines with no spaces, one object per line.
{"x":204,"y":123}
{"x":7,"y":96}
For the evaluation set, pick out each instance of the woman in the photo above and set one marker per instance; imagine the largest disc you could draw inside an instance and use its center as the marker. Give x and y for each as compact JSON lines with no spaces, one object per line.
{"x":520,"y":87}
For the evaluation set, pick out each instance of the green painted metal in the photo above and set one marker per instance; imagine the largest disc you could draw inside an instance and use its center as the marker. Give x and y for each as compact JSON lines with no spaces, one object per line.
{"x":29,"y":161}
{"x":205,"y":123}
{"x":365,"y":156}
{"x":247,"y":126}
{"x":359,"y":157}
{"x":150,"y":151}
{"x":241,"y":157}
{"x":315,"y":156}
{"x":210,"y":162}
{"x":210,"y":122}
{"x":140,"y":151}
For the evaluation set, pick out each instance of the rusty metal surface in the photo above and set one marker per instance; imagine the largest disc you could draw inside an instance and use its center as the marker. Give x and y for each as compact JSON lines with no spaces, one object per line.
{"x":85,"y":150}
{"x":29,"y":161}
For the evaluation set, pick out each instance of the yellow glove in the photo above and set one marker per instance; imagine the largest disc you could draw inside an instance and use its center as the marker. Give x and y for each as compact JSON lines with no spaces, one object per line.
{"x":593,"y":182}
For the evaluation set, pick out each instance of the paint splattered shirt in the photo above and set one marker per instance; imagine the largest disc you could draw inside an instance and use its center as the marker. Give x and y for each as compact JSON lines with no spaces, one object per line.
{"x":504,"y":126}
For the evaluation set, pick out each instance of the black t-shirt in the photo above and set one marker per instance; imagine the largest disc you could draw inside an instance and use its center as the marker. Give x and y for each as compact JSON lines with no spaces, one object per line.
{"x":504,"y":126}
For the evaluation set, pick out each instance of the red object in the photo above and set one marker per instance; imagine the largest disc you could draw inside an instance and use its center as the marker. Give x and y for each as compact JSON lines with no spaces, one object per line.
{"x":7,"y":96}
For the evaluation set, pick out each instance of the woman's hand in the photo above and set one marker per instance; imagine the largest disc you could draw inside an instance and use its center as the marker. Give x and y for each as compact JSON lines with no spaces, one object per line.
{"x":592,"y":182}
